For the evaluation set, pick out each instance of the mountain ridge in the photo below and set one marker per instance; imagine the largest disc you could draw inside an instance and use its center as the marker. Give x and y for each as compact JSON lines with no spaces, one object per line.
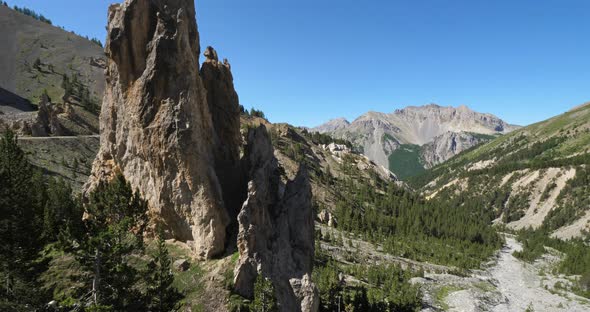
{"x":379,"y":134}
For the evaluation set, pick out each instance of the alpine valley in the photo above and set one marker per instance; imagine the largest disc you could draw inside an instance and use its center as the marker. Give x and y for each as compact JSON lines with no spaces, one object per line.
{"x":132,"y":178}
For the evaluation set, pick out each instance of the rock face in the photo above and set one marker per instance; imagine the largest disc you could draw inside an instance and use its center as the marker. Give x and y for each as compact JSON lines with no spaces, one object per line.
{"x":276,"y":229}
{"x":156,"y":126}
{"x":379,"y":134}
{"x":447,"y":145}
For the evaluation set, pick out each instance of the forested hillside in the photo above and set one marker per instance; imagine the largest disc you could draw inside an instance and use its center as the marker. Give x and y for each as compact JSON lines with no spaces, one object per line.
{"x":534,"y":181}
{"x":535,"y":176}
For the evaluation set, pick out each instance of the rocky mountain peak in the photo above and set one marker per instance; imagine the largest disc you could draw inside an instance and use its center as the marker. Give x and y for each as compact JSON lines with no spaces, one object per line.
{"x":333,"y":125}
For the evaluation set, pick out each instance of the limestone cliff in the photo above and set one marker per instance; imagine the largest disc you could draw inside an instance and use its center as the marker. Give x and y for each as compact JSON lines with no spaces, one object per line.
{"x":447,"y":145}
{"x":156,"y":125}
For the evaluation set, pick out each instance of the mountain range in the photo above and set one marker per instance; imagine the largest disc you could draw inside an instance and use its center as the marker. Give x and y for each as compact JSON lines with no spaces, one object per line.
{"x":536,"y":176}
{"x":417,"y":137}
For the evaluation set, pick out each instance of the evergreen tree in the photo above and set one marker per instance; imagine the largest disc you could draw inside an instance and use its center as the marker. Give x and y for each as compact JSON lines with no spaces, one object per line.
{"x":161,"y":296}
{"x":264,"y":296}
{"x":114,"y":230}
{"x":62,"y":212}
{"x":21,"y":204}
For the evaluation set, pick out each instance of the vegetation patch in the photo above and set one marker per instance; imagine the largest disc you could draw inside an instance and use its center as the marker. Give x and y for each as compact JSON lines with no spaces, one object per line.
{"x":405,"y":161}
{"x":442,"y":294}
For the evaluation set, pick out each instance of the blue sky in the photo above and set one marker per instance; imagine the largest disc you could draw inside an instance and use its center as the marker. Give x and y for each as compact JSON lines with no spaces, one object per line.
{"x":305,"y":61}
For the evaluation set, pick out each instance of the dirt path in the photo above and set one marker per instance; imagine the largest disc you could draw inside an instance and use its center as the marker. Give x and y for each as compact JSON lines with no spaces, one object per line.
{"x":76,"y":137}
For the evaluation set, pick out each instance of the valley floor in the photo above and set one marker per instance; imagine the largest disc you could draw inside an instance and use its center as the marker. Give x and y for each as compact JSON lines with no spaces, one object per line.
{"x":507,"y":285}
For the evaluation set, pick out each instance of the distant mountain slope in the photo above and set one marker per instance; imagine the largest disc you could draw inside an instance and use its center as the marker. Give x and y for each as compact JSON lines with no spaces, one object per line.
{"x":380,"y":134}
{"x":537,"y":176}
{"x":34,"y":59}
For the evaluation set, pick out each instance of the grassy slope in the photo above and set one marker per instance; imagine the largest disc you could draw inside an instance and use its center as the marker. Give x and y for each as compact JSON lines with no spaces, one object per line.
{"x":24,"y":39}
{"x":34,"y":58}
{"x":69,"y":158}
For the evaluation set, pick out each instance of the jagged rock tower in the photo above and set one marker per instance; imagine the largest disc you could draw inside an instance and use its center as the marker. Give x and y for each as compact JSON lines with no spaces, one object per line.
{"x":156,"y":126}
{"x":276,"y":231}
{"x":174,"y":133}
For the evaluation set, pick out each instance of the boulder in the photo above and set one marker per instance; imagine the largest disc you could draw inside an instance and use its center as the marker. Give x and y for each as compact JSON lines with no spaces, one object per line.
{"x":181,"y":265}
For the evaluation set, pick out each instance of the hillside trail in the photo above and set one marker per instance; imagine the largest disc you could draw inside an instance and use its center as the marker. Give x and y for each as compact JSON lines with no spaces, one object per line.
{"x":519,"y":287}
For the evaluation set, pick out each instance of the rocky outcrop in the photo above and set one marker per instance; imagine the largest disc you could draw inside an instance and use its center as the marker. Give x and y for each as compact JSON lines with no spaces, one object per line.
{"x":42,"y":123}
{"x":156,"y":126}
{"x":337,"y":149}
{"x":276,"y":229}
{"x":47,"y":121}
{"x":326,"y":217}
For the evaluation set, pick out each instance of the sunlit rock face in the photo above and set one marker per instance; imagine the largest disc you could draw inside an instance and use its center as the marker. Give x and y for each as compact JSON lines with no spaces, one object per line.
{"x":156,"y":126}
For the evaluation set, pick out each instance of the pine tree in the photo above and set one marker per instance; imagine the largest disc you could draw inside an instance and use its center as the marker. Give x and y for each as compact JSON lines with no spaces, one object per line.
{"x":114,"y":232}
{"x":21,"y":201}
{"x":264,"y":296}
{"x":161,"y":296}
{"x":61,"y":212}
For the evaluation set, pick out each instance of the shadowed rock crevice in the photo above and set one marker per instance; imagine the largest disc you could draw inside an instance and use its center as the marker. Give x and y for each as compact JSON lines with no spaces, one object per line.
{"x":224,"y":105}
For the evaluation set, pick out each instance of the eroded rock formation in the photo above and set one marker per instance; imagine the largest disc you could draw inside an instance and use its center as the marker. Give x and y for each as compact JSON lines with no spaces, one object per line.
{"x":174,"y":133}
{"x":276,"y":229}
{"x":42,"y":123}
{"x":47,"y":121}
{"x":156,"y":126}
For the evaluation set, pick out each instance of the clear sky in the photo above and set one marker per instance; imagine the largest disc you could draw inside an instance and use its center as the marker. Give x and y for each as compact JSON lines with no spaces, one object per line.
{"x":307,"y":61}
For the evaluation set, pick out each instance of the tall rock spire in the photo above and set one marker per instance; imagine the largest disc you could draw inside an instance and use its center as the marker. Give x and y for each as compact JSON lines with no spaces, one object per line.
{"x":173,"y":131}
{"x":156,"y":126}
